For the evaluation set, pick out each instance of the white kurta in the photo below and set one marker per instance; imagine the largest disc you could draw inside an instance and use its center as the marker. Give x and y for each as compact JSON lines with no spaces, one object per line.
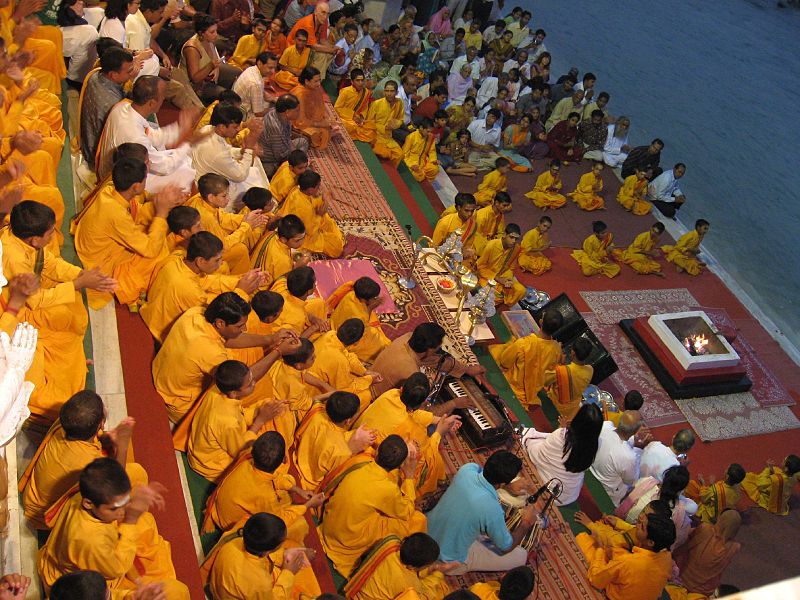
{"x":546,"y":451}
{"x":137,"y":37}
{"x":213,"y":154}
{"x":656,"y":458}
{"x":79,"y":47}
{"x":124,"y":124}
{"x":613,"y":155}
{"x":616,"y":464}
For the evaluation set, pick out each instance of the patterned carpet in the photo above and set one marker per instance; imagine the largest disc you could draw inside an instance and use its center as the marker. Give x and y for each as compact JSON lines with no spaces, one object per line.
{"x":559,"y":565}
{"x":761,"y":410}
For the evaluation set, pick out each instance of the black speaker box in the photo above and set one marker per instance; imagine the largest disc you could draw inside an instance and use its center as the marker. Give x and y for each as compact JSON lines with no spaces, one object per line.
{"x":573,"y":321}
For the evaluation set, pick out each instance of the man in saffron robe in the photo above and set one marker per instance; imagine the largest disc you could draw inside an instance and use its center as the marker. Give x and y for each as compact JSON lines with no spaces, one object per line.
{"x":259,"y":481}
{"x":498,"y":262}
{"x":201,"y":339}
{"x":419,"y":152}
{"x":493,"y":182}
{"x":313,"y":121}
{"x":107,"y":527}
{"x":593,"y":256}
{"x":533,"y":244}
{"x":369,"y":504}
{"x":185,"y":282}
{"x":641,"y":573}
{"x":395,"y":568}
{"x":545,"y":193}
{"x":772,"y":487}
{"x":56,"y":309}
{"x":640,"y":255}
{"x":525,"y":361}
{"x":339,"y":367}
{"x":462,"y":220}
{"x":247,"y":563}
{"x":566,"y":383}
{"x":232,"y":229}
{"x":285,"y":178}
{"x":352,"y":106}
{"x":632,"y":193}
{"x":387,"y":114}
{"x":293,"y":60}
{"x":399,"y":412}
{"x":490,"y":220}
{"x":717,"y":496}
{"x":107,"y":236}
{"x":587,"y":193}
{"x":358,"y":300}
{"x":685,"y":252}
{"x":323,"y":440}
{"x":73,"y":441}
{"x":221,"y":428}
{"x":307,"y":201}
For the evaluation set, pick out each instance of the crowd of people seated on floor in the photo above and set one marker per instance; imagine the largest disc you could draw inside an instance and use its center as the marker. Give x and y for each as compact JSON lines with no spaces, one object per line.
{"x":291,"y":404}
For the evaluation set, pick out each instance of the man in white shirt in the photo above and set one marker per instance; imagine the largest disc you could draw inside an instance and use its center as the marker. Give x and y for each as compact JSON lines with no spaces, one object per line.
{"x":616,"y":464}
{"x":250,"y":85}
{"x":470,"y":58}
{"x":657,"y":458}
{"x":537,"y":47}
{"x":493,"y":31}
{"x":664,"y":192}
{"x":348,"y":51}
{"x":373,"y":42}
{"x":127,"y":122}
{"x":486,"y":132}
{"x":140,"y":29}
{"x":240,"y":166}
{"x":407,"y":94}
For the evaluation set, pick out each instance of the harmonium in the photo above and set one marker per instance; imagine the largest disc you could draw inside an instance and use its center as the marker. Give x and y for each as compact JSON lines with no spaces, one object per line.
{"x":485,"y":424}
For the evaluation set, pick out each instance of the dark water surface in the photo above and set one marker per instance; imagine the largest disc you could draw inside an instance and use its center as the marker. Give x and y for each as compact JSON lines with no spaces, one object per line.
{"x":719,"y":82}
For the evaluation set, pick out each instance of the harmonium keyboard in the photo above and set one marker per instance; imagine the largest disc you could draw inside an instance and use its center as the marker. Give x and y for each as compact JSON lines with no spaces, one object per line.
{"x":484,"y":424}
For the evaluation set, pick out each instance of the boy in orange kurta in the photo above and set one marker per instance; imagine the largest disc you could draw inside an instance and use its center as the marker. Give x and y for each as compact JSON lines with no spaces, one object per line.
{"x":352,"y":106}
{"x":293,"y":60}
{"x":307,"y":201}
{"x":546,"y":193}
{"x":358,"y":300}
{"x":107,"y":527}
{"x":493,"y":182}
{"x":587,"y":192}
{"x":533,"y":244}
{"x":419,"y":152}
{"x":285,"y":178}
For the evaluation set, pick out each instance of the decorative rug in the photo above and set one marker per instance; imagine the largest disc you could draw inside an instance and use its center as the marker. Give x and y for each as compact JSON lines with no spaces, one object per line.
{"x":383,"y":243}
{"x":559,"y":565}
{"x":735,"y":415}
{"x":611,"y":307}
{"x":347,"y":183}
{"x":659,"y":409}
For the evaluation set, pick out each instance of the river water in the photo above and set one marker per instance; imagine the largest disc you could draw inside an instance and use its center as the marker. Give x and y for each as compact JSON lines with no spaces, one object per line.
{"x":719,"y":82}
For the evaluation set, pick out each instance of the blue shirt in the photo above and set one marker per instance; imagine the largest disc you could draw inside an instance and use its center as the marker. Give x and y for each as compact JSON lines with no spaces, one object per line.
{"x":468,"y":509}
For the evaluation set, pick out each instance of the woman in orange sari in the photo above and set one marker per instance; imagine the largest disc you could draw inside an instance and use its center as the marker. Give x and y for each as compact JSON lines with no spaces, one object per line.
{"x":313,"y":121}
{"x":515,"y":138}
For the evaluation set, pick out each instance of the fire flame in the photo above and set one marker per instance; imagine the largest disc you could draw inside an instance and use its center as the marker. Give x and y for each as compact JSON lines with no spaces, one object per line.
{"x":696,"y":344}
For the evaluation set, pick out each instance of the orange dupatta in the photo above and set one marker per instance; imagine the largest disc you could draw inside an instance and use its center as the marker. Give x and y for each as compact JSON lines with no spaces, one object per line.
{"x":369,"y":562}
{"x":563,"y":384}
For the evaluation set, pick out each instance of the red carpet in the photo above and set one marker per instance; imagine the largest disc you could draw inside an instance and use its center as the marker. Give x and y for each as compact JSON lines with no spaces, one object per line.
{"x":152,"y":442}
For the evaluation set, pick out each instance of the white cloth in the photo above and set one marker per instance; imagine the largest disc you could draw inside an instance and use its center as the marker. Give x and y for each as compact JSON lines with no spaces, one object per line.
{"x":403,"y":96}
{"x":79,"y":47}
{"x":457,"y":8}
{"x":483,"y":136}
{"x":461,"y":61}
{"x":656,"y":458}
{"x":16,"y":357}
{"x":460,"y":24}
{"x":524,"y":68}
{"x":520,"y":33}
{"x":124,"y":124}
{"x":213,"y":154}
{"x":490,"y":34}
{"x":113,"y":28}
{"x":681,"y":514}
{"x":546,"y":451}
{"x":94,"y":15}
{"x":137,"y":37}
{"x":487,"y":91}
{"x":664,"y":188}
{"x":616,"y":464}
{"x":613,"y":155}
{"x":482,"y":557}
{"x":250,"y":87}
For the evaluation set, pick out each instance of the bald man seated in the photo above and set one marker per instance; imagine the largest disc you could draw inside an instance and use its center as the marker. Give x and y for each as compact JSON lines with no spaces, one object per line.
{"x":616,"y":464}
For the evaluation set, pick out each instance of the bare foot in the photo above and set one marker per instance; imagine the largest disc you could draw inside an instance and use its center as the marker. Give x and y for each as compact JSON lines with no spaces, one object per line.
{"x":659,"y":274}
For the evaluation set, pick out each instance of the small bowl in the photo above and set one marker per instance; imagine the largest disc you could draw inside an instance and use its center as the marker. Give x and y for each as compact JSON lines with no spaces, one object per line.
{"x":446,"y":285}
